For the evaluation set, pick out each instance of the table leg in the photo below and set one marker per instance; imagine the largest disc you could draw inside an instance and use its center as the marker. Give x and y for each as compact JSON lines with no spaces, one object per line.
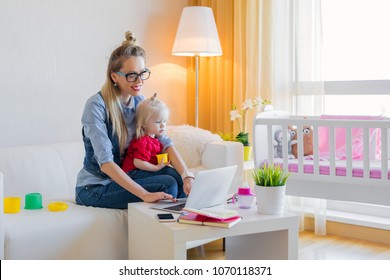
{"x":147,"y":244}
{"x":275,"y":245}
{"x":293,"y":238}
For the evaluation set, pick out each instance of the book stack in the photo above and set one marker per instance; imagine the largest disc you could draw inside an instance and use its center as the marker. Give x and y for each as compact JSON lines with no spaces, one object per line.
{"x":224,"y":219}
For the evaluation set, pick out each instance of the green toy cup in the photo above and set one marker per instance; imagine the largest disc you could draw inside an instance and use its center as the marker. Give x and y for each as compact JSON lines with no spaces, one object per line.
{"x":33,"y":201}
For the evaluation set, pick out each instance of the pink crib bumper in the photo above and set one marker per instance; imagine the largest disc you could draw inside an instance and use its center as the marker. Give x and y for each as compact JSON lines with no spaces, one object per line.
{"x":357,"y":138}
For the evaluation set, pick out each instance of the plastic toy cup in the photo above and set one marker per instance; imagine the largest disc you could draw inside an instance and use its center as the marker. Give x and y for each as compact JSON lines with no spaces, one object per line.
{"x":244,"y":197}
{"x":33,"y":201}
{"x":11,"y":205}
{"x":161,"y":157}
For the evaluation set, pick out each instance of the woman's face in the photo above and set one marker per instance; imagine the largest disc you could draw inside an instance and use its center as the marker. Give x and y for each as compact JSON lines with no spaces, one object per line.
{"x":132,"y":65}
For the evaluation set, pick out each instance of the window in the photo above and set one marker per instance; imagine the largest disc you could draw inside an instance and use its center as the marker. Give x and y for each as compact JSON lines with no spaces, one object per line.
{"x":356,"y":56}
{"x":355,"y":65}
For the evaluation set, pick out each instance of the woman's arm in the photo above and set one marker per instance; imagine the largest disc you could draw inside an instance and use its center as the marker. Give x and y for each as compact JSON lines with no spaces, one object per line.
{"x":180,"y":166}
{"x":120,"y":177}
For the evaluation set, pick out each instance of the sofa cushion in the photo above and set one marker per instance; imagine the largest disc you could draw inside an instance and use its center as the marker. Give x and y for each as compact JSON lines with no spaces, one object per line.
{"x":72,"y":156}
{"x":46,"y":169}
{"x":76,"y":233}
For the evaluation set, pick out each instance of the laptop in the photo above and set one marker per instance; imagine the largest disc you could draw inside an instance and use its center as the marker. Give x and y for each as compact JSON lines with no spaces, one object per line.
{"x":209,"y":190}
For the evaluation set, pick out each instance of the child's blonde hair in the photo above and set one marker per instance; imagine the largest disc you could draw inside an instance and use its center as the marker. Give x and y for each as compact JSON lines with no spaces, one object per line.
{"x":146,"y":110}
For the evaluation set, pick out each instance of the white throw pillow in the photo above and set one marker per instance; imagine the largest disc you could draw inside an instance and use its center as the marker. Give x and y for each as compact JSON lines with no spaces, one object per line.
{"x":190,"y":142}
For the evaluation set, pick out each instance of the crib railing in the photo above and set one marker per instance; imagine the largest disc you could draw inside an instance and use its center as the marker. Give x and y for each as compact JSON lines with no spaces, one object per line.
{"x":264,"y":129}
{"x":330,"y":186}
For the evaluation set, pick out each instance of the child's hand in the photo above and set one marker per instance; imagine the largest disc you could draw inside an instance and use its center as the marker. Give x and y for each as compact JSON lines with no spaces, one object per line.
{"x":161,"y":165}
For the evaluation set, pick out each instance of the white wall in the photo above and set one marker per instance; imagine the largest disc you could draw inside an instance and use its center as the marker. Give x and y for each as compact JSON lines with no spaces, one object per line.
{"x":53,"y":56}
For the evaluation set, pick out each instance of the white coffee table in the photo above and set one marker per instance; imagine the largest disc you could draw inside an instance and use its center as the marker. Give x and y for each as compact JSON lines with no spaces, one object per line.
{"x":257,"y":236}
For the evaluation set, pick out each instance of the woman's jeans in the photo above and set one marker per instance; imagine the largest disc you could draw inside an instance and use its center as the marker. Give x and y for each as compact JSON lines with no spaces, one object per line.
{"x":113,"y":195}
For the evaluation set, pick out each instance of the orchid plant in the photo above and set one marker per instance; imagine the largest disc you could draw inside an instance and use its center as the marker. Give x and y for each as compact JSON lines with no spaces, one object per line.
{"x":236,"y":114}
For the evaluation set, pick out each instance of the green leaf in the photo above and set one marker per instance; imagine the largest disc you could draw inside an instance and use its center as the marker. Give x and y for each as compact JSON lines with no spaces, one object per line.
{"x":243,"y":138}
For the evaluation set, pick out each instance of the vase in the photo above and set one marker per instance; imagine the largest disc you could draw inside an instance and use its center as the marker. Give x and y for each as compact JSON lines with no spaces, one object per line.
{"x":268,"y":107}
{"x":247,"y":153}
{"x":270,"y":200}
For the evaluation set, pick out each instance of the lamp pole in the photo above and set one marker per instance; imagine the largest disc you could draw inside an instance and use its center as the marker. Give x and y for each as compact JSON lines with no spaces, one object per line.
{"x":196,"y":90}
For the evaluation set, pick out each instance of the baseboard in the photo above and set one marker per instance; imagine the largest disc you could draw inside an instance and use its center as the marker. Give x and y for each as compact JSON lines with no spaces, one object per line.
{"x":352,"y":231}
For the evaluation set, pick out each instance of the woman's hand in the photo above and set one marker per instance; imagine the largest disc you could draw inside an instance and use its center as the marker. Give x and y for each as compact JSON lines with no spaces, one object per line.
{"x":187,"y":185}
{"x":180,"y":166}
{"x":153,"y":197}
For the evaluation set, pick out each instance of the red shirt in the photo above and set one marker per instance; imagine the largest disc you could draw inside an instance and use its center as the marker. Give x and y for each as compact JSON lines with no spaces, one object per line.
{"x":146,"y":148}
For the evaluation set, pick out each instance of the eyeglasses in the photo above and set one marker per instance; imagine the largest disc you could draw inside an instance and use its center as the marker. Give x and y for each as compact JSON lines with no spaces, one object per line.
{"x":132,"y":76}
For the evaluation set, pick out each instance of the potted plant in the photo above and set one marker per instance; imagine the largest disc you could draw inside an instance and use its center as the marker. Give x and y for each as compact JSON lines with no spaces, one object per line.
{"x":270,"y":189}
{"x":243,"y":135}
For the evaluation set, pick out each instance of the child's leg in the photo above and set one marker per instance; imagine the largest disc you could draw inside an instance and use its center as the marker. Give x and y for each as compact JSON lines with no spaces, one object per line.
{"x":137,"y":174}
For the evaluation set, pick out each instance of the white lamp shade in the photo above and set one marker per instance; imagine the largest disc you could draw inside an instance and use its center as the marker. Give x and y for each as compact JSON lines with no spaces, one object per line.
{"x":197,"y":33}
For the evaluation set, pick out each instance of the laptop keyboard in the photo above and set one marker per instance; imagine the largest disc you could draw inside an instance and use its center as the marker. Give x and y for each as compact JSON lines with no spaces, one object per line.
{"x":177,"y":207}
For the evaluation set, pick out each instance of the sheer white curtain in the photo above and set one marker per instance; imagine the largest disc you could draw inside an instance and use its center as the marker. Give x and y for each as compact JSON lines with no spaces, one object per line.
{"x":297,"y":84}
{"x":282,"y":38}
{"x":309,"y":92}
{"x":297,"y":56}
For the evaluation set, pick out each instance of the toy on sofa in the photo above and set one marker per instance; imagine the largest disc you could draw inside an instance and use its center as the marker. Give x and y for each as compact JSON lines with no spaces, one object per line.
{"x":278,"y":143}
{"x":57,"y":206}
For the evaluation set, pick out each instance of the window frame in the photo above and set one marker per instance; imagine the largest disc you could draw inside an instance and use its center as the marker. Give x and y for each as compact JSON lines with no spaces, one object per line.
{"x":358,"y":87}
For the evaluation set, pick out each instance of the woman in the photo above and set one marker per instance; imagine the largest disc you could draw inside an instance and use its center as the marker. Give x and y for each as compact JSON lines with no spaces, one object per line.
{"x":108,"y":127}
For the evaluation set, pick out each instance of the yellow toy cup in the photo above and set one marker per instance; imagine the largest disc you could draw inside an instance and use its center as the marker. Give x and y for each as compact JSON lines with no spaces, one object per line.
{"x":161,"y":157}
{"x":11,"y":205}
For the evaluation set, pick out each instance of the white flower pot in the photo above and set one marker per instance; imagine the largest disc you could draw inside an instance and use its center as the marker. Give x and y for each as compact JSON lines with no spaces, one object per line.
{"x":270,"y":200}
{"x":268,"y":107}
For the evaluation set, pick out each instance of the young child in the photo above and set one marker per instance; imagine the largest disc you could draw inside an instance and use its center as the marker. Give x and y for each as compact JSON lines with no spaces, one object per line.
{"x":140,"y":160}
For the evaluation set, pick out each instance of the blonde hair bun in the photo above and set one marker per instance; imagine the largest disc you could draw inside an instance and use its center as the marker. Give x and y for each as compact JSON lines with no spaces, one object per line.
{"x":130,"y":39}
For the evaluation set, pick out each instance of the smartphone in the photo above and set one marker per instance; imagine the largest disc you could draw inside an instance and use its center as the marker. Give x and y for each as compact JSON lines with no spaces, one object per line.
{"x":165,"y":217}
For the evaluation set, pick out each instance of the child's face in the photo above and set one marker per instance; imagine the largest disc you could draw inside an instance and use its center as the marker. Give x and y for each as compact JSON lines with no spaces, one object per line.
{"x":156,"y":125}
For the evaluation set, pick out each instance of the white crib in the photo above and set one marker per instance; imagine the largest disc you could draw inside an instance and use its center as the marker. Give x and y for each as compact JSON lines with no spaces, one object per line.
{"x":308,"y":178}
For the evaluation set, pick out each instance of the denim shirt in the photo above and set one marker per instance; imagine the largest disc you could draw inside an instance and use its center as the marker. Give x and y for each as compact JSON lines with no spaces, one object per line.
{"x":100,"y":145}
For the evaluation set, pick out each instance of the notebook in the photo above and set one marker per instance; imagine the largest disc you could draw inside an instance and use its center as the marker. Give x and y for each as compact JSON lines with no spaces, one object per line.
{"x":209,"y":190}
{"x":196,"y":219}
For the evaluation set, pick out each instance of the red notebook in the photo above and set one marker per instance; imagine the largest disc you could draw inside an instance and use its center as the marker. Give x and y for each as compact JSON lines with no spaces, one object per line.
{"x":197,"y":219}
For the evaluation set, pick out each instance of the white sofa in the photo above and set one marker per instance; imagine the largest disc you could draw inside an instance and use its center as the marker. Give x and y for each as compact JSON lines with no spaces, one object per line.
{"x":82,"y":232}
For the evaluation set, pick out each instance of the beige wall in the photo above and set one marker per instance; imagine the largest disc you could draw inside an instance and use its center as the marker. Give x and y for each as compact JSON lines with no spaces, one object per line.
{"x":53,"y":56}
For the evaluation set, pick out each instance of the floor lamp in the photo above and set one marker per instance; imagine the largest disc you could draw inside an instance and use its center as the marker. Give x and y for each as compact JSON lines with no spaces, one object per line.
{"x":197,"y":36}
